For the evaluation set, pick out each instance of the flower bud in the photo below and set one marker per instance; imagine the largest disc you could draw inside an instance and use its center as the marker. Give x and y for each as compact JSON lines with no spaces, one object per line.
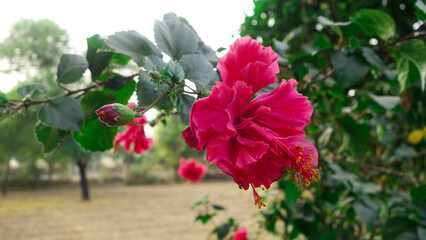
{"x":115,"y":114}
{"x":155,"y":75}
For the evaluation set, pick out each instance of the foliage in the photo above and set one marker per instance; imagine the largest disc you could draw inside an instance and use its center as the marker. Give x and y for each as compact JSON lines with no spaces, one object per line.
{"x":363,"y":70}
{"x":361,"y":66}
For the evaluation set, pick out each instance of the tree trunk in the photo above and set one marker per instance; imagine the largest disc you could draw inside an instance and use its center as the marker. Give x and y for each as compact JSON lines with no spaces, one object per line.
{"x":82,"y":164}
{"x":6,"y":179}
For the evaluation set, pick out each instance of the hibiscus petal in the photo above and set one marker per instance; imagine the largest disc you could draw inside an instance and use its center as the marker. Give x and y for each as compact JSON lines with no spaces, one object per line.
{"x":309,"y":150}
{"x":290,"y":111}
{"x":249,"y":61}
{"x":216,"y":113}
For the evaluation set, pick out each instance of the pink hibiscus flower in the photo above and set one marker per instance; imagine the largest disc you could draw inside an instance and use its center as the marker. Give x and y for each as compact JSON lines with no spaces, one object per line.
{"x":252,"y":140}
{"x":134,"y":135}
{"x":189,"y":170}
{"x":240,"y":234}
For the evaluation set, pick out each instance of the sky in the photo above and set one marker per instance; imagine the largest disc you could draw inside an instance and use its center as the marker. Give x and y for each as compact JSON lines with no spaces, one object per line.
{"x":216,"y":22}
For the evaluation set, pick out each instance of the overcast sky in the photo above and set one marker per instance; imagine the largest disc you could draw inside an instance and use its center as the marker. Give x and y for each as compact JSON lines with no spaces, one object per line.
{"x":215,"y":21}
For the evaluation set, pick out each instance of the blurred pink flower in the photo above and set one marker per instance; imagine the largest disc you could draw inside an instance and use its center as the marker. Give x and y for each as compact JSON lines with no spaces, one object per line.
{"x":252,"y":140}
{"x":134,"y":135}
{"x":240,"y":234}
{"x":189,"y":170}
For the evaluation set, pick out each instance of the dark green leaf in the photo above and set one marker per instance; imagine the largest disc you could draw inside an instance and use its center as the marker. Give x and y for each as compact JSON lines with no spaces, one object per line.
{"x":367,"y":213}
{"x":28,"y":91}
{"x":184,"y":103}
{"x":125,"y":93}
{"x":357,"y":135}
{"x":291,"y":193}
{"x":98,"y":61}
{"x":50,"y":137}
{"x":349,"y":69}
{"x":174,"y":37}
{"x":375,"y":22}
{"x":63,"y":113}
{"x":198,"y":70}
{"x":372,"y":58}
{"x":218,"y":207}
{"x":174,"y":72}
{"x":134,"y":45}
{"x":419,"y":192}
{"x":71,"y":68}
{"x":94,"y":100}
{"x":396,"y":226}
{"x":222,"y":231}
{"x":116,"y":83}
{"x":95,"y":136}
{"x":148,"y":92}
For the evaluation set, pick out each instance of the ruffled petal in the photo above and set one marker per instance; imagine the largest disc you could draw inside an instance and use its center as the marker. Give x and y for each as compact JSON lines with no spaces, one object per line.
{"x":249,"y":61}
{"x":215,"y":114}
{"x":289,"y":112}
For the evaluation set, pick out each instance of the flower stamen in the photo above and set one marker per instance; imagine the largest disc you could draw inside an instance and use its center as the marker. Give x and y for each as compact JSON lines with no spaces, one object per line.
{"x":258,"y":200}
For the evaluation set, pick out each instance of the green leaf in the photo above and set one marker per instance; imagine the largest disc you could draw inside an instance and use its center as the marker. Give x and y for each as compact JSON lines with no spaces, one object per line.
{"x":420,"y":6}
{"x":388,"y":102}
{"x":223,"y":230}
{"x":280,"y":46}
{"x":29,"y":91}
{"x":71,"y":68}
{"x":95,"y":136}
{"x":3,"y":99}
{"x":94,"y":100}
{"x":134,"y":45}
{"x":408,"y":73}
{"x":375,"y":22}
{"x":367,"y":213}
{"x":349,"y":69}
{"x":218,"y":207}
{"x":174,"y":72}
{"x":291,"y":193}
{"x":184,"y":103}
{"x":50,"y":137}
{"x":414,"y":51}
{"x":125,"y":93}
{"x":421,"y":231}
{"x":373,"y":59}
{"x":119,"y":58}
{"x":148,"y":92}
{"x":396,"y":226}
{"x":154,"y":63}
{"x":357,"y":135}
{"x":63,"y":113}
{"x":174,"y":37}
{"x":98,"y":61}
{"x":198,"y":70}
{"x":419,"y":192}
{"x":204,"y":218}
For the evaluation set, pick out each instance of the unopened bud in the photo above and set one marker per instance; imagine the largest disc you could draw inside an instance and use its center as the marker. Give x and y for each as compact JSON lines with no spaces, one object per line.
{"x":155,"y":75}
{"x":115,"y":114}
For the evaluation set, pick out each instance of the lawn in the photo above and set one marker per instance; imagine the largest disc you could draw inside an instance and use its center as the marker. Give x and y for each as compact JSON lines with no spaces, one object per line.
{"x":120,"y":212}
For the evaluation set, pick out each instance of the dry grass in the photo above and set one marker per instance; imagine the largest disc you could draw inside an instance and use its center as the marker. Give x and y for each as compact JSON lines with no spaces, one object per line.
{"x":120,"y":212}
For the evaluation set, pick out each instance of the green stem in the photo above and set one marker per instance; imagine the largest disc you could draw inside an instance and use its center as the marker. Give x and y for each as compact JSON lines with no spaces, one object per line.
{"x":153,"y":103}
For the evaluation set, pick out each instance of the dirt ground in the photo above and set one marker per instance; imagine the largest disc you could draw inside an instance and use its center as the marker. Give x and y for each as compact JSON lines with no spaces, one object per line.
{"x":120,"y":212}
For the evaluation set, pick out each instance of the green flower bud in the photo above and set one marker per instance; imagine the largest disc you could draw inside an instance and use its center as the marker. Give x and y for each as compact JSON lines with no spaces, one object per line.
{"x":156,"y":76}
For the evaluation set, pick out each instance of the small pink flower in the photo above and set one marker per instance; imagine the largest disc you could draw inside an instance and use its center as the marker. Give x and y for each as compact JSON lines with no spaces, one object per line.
{"x":240,"y":234}
{"x":253,"y":140}
{"x":134,"y":135}
{"x":189,"y":170}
